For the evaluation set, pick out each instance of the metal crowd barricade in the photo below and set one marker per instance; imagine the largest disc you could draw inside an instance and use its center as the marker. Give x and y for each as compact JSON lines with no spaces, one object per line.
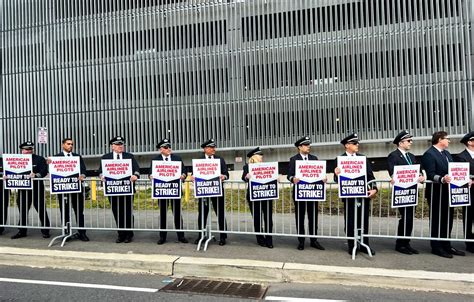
{"x":384,"y":219}
{"x":30,"y":209}
{"x":240,"y":220}
{"x":331,"y":224}
{"x":98,"y":213}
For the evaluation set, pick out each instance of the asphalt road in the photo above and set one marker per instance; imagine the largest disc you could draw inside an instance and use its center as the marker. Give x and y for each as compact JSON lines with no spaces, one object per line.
{"x":34,"y":284}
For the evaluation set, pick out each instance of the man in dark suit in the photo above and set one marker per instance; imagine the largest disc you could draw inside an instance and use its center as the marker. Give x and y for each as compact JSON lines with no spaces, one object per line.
{"x":468,"y":212}
{"x":351,"y":146}
{"x":301,"y":207}
{"x":35,"y":196}
{"x":166,"y":155}
{"x":74,"y":200}
{"x":4,"y":200}
{"x":435,"y":162}
{"x":218,"y":203}
{"x":401,"y":157}
{"x":122,"y":206}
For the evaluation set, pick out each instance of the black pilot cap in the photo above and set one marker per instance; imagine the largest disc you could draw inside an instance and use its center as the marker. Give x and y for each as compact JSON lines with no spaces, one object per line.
{"x":28,"y":145}
{"x":401,"y":136}
{"x":208,"y":143}
{"x":353,"y":138}
{"x":118,"y":140}
{"x":163,"y":143}
{"x":305,"y":140}
{"x":255,"y":151}
{"x":468,"y":137}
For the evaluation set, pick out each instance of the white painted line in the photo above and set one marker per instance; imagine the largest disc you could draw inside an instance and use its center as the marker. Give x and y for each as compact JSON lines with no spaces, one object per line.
{"x":85,"y":285}
{"x":290,"y":299}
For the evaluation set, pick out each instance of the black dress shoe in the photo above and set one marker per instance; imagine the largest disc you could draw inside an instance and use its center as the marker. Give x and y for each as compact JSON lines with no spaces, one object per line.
{"x":83,"y":237}
{"x":127,"y":240}
{"x":161,"y":241}
{"x":455,"y":252}
{"x":197,"y":240}
{"x":119,"y":240}
{"x":300,"y":246}
{"x":412,"y":250}
{"x":183,"y":240}
{"x":46,"y":235}
{"x":316,"y":245}
{"x":440,"y":252}
{"x":269,"y":243}
{"x":18,"y":235}
{"x":403,"y":250}
{"x":363,"y":249}
{"x":261,"y":241}
{"x":222,"y":242}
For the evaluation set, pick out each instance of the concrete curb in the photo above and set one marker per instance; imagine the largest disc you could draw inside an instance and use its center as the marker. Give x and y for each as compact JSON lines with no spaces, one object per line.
{"x":107,"y":262}
{"x":240,"y":269}
{"x":234,"y":269}
{"x":378,"y":277}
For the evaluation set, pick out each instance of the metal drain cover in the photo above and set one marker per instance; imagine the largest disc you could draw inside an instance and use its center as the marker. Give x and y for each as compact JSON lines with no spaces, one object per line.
{"x":217,"y":288}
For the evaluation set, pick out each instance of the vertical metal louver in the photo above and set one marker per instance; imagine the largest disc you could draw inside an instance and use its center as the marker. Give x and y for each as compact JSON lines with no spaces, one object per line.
{"x":247,"y":73}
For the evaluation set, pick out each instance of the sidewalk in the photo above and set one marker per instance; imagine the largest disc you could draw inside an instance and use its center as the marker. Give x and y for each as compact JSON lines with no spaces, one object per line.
{"x":242,"y":259}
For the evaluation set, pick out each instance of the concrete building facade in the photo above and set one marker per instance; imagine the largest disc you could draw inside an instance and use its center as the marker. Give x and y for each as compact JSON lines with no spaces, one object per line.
{"x":246,"y":73}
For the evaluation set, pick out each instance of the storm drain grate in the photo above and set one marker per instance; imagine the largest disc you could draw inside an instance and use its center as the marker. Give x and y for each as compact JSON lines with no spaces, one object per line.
{"x":217,"y":288}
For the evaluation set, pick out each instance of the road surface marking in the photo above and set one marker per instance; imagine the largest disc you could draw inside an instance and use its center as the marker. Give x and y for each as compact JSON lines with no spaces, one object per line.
{"x":290,"y":299}
{"x":86,"y":285}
